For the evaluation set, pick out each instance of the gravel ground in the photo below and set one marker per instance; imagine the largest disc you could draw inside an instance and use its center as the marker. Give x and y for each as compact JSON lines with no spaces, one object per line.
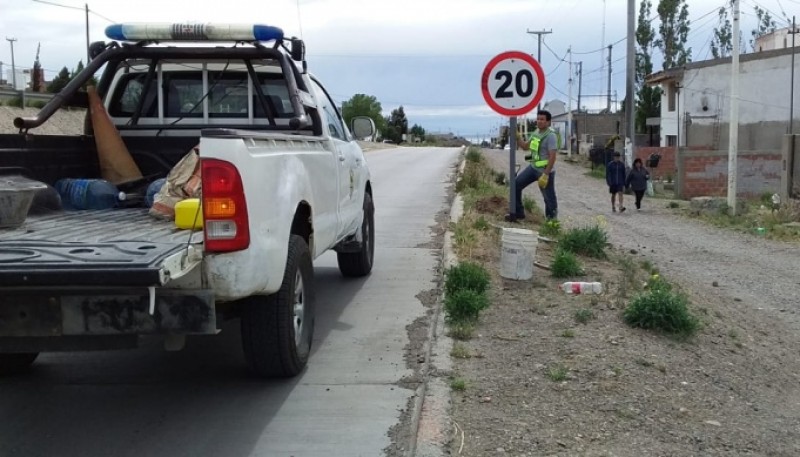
{"x":63,"y":122}
{"x":540,"y":383}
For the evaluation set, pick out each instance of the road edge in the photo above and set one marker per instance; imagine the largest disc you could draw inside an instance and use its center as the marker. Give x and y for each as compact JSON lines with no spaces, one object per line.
{"x":431,"y":423}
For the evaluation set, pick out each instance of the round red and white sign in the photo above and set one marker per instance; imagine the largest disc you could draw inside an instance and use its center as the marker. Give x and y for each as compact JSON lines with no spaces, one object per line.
{"x":513,"y":83}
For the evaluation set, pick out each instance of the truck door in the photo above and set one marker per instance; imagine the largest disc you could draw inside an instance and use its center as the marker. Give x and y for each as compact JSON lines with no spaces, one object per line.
{"x":350,"y":196}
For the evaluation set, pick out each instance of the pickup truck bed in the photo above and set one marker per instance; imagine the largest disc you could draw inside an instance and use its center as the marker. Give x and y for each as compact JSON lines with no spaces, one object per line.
{"x":91,"y":248}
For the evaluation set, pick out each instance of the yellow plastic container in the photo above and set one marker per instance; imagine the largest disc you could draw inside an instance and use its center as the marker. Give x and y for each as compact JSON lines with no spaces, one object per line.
{"x":189,"y":214}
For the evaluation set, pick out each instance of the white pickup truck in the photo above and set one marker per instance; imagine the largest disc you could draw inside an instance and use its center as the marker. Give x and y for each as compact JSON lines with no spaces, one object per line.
{"x":283,"y":181}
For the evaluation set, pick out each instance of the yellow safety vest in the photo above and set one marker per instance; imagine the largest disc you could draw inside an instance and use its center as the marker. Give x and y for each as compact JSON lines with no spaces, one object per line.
{"x":536,"y":140}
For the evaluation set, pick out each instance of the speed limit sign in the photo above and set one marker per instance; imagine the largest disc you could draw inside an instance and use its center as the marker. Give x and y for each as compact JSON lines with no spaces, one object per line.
{"x":513,"y":83}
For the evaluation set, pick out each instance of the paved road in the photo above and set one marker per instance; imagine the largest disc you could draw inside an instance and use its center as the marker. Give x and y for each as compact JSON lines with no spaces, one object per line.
{"x":200,"y":402}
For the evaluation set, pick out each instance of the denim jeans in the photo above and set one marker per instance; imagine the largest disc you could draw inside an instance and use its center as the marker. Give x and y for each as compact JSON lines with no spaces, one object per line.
{"x":529,"y":176}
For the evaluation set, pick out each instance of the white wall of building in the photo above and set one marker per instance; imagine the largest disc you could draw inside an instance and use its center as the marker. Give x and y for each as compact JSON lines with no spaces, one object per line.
{"x":764,"y":89}
{"x":23,"y":79}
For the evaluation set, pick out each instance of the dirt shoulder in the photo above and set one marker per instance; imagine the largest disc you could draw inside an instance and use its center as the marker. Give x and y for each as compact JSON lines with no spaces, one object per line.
{"x":731,"y":390}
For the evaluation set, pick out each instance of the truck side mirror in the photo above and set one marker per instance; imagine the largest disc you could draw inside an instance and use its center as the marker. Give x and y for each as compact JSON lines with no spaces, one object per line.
{"x":298,"y":51}
{"x":362,"y":127}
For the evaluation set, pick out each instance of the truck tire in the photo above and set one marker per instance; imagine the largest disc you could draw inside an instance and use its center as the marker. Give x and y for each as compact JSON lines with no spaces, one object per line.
{"x":16,"y":363}
{"x":277,"y":329}
{"x":357,"y":264}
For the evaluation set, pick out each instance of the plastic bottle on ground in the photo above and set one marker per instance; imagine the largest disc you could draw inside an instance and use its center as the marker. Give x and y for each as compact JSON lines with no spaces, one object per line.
{"x":88,"y":193}
{"x":582,"y":287}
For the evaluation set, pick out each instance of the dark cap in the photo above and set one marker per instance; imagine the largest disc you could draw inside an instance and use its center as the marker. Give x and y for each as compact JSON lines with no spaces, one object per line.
{"x":617,"y":154}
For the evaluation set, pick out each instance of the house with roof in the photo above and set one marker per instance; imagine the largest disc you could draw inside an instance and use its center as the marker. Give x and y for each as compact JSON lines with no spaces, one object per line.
{"x":695,"y":122}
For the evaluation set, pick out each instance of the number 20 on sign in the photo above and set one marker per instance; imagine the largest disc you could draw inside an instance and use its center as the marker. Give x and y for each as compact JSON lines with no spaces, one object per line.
{"x":513,"y":83}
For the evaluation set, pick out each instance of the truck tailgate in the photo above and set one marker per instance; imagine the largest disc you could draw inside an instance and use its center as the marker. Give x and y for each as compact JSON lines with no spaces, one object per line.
{"x":122,"y":247}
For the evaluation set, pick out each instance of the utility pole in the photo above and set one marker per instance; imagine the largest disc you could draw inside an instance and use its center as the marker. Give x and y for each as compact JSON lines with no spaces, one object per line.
{"x":791,"y":84}
{"x":630,"y":86}
{"x":13,"y":67}
{"x":86,"y":12}
{"x":580,"y":83}
{"x":608,"y":99}
{"x":539,"y":34}
{"x":733,"y":138}
{"x":568,"y":133}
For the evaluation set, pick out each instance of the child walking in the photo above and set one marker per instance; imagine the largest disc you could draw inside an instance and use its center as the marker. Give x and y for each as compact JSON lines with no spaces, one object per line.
{"x":637,"y":180}
{"x":615,"y":178}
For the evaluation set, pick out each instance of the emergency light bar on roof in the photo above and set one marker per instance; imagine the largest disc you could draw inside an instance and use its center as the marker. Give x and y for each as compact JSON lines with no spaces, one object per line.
{"x":147,"y":31}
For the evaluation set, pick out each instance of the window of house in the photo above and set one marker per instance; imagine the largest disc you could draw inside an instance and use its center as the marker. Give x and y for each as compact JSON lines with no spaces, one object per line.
{"x":672,"y":140}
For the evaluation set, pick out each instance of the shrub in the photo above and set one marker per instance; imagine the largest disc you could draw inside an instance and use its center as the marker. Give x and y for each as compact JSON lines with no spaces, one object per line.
{"x":458,"y":384}
{"x":471,"y":179}
{"x":588,"y":241}
{"x":557,"y":373}
{"x":583,"y":315}
{"x":473,"y":155}
{"x":466,"y":276}
{"x":15,"y":102}
{"x":551,"y":228}
{"x":39,"y":104}
{"x":661,"y":309}
{"x":481,"y":224}
{"x":529,"y":204}
{"x":500,"y":179}
{"x":565,"y":264}
{"x":461,"y":331}
{"x":465,"y":305}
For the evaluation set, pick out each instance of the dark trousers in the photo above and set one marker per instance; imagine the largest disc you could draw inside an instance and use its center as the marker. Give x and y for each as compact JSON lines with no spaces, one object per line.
{"x":529,"y":176}
{"x":639,"y":195}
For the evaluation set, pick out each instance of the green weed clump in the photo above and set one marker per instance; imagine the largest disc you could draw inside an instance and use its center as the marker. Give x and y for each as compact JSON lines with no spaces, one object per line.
{"x":588,"y":241}
{"x":550,"y":229}
{"x":465,"y":305}
{"x":583,"y":315}
{"x":565,"y":264}
{"x":465,"y":292}
{"x":474,"y":155}
{"x":661,"y":308}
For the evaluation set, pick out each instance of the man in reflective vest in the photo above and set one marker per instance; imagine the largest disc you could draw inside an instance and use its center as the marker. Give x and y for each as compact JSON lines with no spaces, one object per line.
{"x":543,"y":146}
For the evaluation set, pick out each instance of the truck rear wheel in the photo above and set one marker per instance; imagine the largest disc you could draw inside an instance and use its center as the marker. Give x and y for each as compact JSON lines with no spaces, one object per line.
{"x":15,"y":363}
{"x":356,"y":264}
{"x":277,"y":329}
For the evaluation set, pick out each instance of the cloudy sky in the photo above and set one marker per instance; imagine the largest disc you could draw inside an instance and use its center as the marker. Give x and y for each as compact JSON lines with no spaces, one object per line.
{"x":426,"y":55}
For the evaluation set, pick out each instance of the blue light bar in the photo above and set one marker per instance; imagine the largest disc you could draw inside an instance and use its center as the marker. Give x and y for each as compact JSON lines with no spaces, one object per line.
{"x":147,"y":31}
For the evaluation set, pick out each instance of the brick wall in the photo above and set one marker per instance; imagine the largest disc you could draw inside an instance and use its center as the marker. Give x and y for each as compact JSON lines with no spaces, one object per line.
{"x":666,"y":166}
{"x":705,"y":173}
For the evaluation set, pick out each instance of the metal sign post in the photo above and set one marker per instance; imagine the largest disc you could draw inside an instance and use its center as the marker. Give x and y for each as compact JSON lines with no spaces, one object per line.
{"x":512,"y":171}
{"x":512,"y":85}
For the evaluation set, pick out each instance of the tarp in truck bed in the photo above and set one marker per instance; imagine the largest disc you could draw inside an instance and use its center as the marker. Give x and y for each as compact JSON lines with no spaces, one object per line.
{"x":120,"y":247}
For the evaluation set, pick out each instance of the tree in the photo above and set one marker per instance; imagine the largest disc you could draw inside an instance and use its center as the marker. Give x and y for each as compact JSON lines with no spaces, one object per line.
{"x":397,"y":125}
{"x":722,"y":39}
{"x":37,"y":75}
{"x":765,"y":25}
{"x":648,"y":98}
{"x":363,"y":105}
{"x":674,"y":31}
{"x":418,"y":131}
{"x":59,"y":81}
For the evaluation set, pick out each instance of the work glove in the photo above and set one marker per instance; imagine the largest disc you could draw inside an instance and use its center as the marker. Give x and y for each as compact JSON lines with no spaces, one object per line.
{"x":543,"y":180}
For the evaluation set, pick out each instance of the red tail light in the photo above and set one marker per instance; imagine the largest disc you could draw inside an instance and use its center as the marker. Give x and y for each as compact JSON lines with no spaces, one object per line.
{"x":226,"y":225}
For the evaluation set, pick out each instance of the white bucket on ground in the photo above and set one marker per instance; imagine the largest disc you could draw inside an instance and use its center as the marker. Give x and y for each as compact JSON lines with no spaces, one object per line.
{"x":518,"y":253}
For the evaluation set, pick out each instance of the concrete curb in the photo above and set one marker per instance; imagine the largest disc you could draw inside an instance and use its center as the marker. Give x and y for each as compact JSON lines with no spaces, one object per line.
{"x":432,"y":425}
